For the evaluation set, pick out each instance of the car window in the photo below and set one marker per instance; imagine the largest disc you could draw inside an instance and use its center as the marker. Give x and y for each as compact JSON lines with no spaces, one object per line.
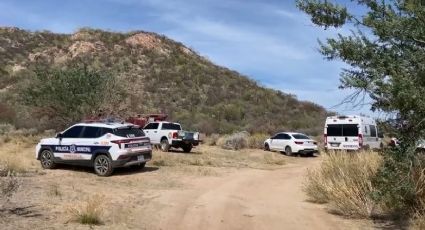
{"x":129,"y":131}
{"x":73,"y":132}
{"x":104,"y":131}
{"x":152,"y":126}
{"x":278,"y":136}
{"x":286,"y":137}
{"x":91,"y":132}
{"x":171,"y":126}
{"x":300,"y":136}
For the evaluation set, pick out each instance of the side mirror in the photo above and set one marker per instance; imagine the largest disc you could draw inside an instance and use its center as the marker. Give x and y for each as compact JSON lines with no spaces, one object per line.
{"x":59,"y":135}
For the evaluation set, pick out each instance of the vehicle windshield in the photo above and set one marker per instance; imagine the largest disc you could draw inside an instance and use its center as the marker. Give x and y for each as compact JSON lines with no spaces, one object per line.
{"x":129,"y":131}
{"x":171,"y":126}
{"x":300,"y":136}
{"x":342,"y":130}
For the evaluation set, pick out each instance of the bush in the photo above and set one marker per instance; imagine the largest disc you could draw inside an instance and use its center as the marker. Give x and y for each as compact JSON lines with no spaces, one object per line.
{"x":234,"y":141}
{"x":256,"y":141}
{"x":344,"y":181}
{"x":212,"y":139}
{"x":8,"y":185}
{"x":89,"y":212}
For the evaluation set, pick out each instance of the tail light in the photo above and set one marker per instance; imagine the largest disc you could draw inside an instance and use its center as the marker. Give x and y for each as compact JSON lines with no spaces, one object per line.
{"x":325,"y":136}
{"x":360,"y":140}
{"x":175,"y":135}
{"x":119,"y":142}
{"x":299,"y":142}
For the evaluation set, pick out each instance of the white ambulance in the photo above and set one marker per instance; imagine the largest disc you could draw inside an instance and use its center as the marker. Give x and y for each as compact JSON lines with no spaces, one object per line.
{"x":351,"y":132}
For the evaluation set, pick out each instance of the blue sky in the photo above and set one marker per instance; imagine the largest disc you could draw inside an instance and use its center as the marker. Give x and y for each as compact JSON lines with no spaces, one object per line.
{"x":269,"y":41}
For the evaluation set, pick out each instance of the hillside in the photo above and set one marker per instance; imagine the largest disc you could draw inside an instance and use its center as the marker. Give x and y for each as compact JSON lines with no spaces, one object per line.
{"x":159,"y":75}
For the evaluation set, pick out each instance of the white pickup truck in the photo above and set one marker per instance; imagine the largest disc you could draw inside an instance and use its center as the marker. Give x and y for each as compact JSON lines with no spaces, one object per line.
{"x":168,"y":134}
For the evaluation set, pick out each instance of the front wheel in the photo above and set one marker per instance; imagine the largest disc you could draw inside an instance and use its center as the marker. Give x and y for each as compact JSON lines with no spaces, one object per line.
{"x":288,"y":151}
{"x":46,"y":159}
{"x":103,"y":165}
{"x":266,"y":147}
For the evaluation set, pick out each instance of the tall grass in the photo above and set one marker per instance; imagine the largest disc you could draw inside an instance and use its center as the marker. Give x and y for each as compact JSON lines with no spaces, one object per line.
{"x":88,"y":212}
{"x":237,"y":141}
{"x":344,"y":181}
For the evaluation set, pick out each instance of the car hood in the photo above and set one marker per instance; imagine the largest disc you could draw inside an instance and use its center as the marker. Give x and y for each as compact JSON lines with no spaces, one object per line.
{"x":47,"y":140}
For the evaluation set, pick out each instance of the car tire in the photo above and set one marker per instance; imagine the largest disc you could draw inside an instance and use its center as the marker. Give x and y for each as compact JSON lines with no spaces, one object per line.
{"x":288,"y":151}
{"x":47,"y":159}
{"x":266,"y":147}
{"x":187,"y":148}
{"x":103,"y":165}
{"x":165,"y":146}
{"x":310,"y":154}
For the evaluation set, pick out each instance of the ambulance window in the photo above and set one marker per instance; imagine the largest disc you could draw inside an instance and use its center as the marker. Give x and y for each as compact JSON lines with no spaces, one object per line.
{"x":350,"y":130}
{"x":334,"y":130}
{"x":372,"y":130}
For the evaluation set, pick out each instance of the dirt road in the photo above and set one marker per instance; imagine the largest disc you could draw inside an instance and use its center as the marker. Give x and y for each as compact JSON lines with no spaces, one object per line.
{"x":209,"y":189}
{"x":251,"y":199}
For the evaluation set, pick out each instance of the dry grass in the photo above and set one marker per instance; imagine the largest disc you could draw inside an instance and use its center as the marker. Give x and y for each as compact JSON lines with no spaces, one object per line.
{"x":216,"y":157}
{"x":418,"y":177}
{"x":237,"y":141}
{"x":8,"y":186}
{"x":256,"y":141}
{"x":17,"y":158}
{"x":89,"y":212}
{"x":212,"y":139}
{"x":344,"y":182}
{"x":234,"y":141}
{"x":418,"y":221}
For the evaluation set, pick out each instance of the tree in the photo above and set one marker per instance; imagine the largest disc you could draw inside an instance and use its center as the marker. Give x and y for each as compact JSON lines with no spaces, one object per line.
{"x":70,"y":95}
{"x":386,"y":55}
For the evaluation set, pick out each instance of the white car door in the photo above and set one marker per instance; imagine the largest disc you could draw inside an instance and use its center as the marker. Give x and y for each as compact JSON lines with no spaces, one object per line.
{"x":276,"y":142}
{"x":151,"y":131}
{"x":286,"y":141}
{"x":68,"y":143}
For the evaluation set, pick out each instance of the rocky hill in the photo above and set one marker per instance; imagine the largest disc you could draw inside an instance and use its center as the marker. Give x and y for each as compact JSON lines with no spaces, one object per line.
{"x":159,"y":75}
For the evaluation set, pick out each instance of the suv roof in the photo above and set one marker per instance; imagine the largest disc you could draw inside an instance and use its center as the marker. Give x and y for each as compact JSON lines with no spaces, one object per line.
{"x":112,"y":125}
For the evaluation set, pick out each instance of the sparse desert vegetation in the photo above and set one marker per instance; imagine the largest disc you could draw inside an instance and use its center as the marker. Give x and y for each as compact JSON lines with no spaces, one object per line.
{"x":89,"y":211}
{"x":344,"y":182}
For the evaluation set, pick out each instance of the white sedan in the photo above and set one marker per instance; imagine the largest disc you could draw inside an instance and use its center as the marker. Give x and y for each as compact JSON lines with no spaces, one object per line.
{"x":291,"y":143}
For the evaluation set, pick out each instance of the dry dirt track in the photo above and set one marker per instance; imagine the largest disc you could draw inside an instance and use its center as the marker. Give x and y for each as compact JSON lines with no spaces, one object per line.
{"x":251,"y":199}
{"x":192,"y":195}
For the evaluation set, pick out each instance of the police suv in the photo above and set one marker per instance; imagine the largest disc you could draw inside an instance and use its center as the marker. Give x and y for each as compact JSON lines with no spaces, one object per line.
{"x":101,"y":145}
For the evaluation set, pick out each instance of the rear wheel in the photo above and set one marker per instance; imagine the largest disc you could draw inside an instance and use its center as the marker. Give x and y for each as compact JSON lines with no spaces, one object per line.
{"x":165,"y":146}
{"x":103,"y":165}
{"x":288,"y":151}
{"x":266,"y":147}
{"x":46,"y":159}
{"x":187,"y":148}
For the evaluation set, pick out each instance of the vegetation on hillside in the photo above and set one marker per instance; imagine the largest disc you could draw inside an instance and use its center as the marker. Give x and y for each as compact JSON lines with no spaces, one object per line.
{"x":156,"y":75}
{"x":386,"y":55}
